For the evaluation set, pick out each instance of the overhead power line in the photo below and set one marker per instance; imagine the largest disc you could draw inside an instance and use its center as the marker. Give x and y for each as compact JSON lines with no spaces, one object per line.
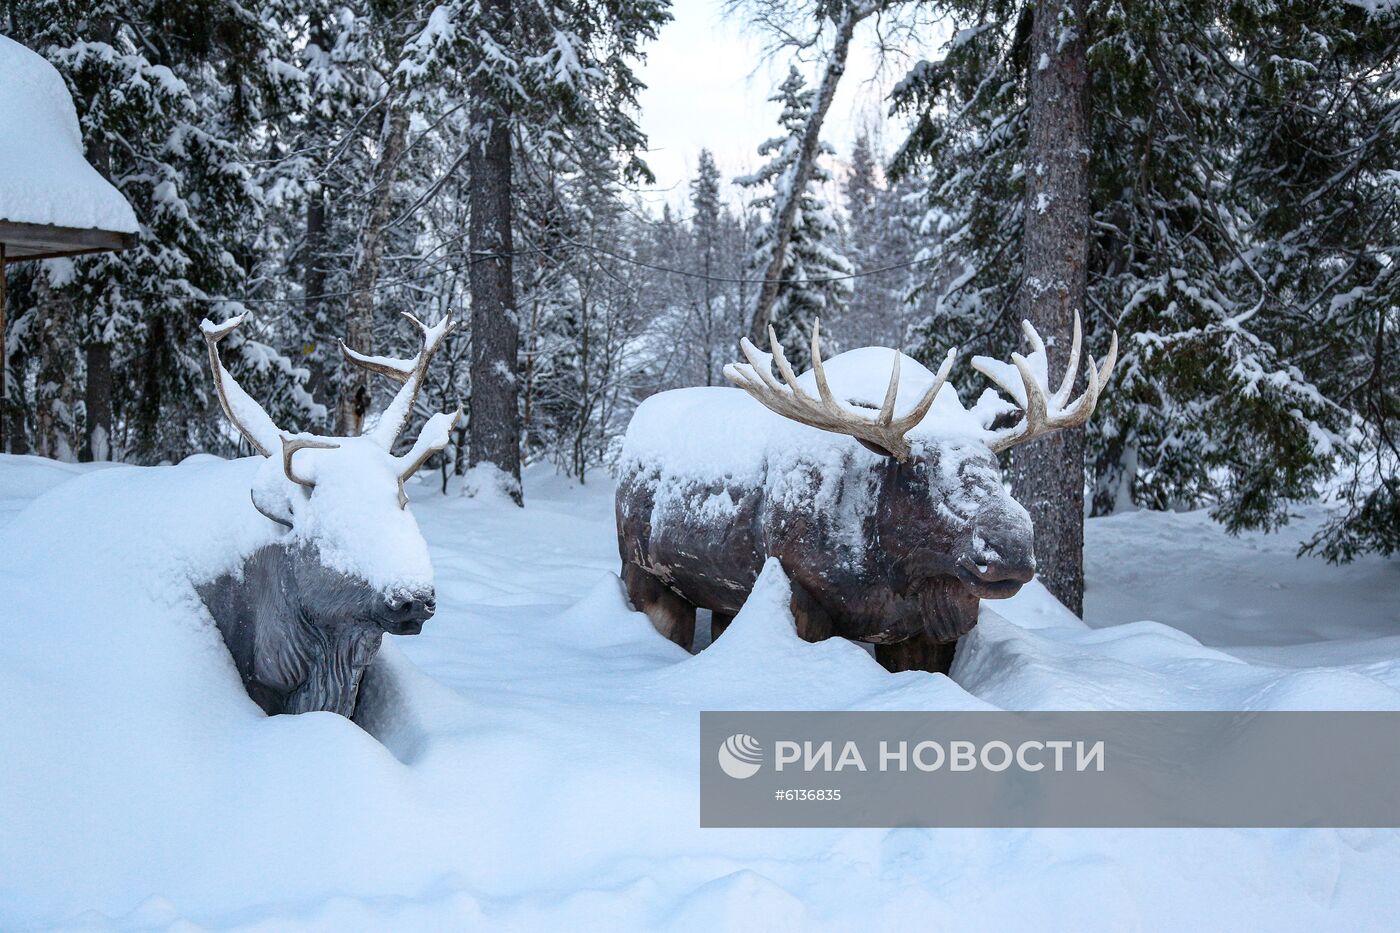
{"x":481,"y":256}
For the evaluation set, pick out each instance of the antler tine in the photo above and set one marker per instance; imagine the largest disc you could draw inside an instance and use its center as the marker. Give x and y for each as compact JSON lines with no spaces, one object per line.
{"x":784,"y":367}
{"x":760,"y":368}
{"x":1045,"y":413}
{"x":250,"y":418}
{"x":883,"y":434}
{"x":422,"y":328}
{"x":409,"y":373}
{"x":379,"y":366}
{"x":887,"y":408}
{"x":291,"y":445}
{"x":436,"y":435}
{"x":996,"y":379}
{"x":1109,"y":361}
{"x":1071,"y":367}
{"x":916,"y":414}
{"x":818,"y":370}
{"x":1037,"y":407}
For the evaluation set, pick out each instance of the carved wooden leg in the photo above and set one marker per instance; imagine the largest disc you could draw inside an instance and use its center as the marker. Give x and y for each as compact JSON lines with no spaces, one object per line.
{"x":919,"y":653}
{"x":671,"y":615}
{"x":813,"y":624}
{"x":718,"y":623}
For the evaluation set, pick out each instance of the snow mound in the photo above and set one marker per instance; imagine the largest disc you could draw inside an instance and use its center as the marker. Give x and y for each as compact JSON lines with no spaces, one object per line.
{"x":761,"y":663}
{"x":44,"y":178}
{"x":537,"y":758}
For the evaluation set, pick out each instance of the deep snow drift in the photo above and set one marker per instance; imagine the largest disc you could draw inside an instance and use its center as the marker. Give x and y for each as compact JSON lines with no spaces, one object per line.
{"x":543,"y":770}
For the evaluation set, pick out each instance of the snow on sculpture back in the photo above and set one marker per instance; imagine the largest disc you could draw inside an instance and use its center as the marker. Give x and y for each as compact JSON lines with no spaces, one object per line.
{"x":877,"y":491}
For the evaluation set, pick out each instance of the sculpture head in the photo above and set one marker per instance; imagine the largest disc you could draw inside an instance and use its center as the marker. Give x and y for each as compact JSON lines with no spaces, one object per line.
{"x":356,"y":557}
{"x":946,"y":530}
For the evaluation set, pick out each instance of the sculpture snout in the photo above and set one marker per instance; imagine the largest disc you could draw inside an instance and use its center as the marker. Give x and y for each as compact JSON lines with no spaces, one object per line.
{"x":405,"y":614}
{"x":996,"y":578}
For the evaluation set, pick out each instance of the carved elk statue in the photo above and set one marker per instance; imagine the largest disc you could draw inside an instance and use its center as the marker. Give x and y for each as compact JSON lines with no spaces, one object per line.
{"x":304,"y":616}
{"x":891,"y":523}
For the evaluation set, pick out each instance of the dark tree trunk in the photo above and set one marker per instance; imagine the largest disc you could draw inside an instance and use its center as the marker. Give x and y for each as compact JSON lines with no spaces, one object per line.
{"x":321,"y":361}
{"x":97,"y":400}
{"x":97,"y":390}
{"x":353,"y":398}
{"x":17,"y":434}
{"x":495,"y":419}
{"x":314,"y":282}
{"x":1047,"y":475}
{"x":4,"y":358}
{"x":152,"y":393}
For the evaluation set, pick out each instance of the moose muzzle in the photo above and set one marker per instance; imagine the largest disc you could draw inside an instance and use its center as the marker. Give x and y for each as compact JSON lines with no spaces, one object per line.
{"x":405,"y":614}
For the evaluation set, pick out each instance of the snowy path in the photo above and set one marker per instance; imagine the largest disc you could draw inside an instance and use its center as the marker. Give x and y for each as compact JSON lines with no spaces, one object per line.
{"x":544,"y":775}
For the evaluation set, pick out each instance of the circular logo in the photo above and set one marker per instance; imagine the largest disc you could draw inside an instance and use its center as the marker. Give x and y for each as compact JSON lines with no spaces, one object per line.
{"x":740,"y":756}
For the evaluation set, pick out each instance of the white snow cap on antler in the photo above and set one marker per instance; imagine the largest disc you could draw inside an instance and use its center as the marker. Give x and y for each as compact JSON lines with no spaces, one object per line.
{"x":884,"y":433}
{"x":410,"y":372}
{"x":251,"y":420}
{"x":257,"y":426}
{"x":1027,"y":381}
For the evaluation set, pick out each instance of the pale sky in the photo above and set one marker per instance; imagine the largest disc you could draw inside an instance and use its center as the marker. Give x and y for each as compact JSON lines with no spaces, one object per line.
{"x":708,"y":84}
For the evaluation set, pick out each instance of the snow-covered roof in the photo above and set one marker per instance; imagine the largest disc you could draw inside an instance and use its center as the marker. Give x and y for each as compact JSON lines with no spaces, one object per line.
{"x":44,"y":178}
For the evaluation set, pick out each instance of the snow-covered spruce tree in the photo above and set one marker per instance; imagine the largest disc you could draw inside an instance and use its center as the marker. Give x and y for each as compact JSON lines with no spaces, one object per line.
{"x":371,"y":205}
{"x":548,"y":75}
{"x":581,"y":387}
{"x":881,"y":230}
{"x":712,"y":324}
{"x":808,"y":29}
{"x":1047,"y":476}
{"x":1319,"y":127}
{"x":1222,"y":399}
{"x":812,"y":266}
{"x":168,"y":98}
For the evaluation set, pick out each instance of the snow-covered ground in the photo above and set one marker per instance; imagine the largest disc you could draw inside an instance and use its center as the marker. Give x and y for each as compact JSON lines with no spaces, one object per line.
{"x":544,"y":773}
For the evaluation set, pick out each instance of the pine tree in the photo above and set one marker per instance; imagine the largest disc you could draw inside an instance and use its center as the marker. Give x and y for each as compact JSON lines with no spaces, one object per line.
{"x":812,"y":268}
{"x":1047,"y":476}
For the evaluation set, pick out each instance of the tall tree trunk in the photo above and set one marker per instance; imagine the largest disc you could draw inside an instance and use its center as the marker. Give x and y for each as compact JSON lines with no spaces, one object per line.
{"x":352,"y":401}
{"x":16,"y":435}
{"x":314,"y":269}
{"x":1048,"y":474}
{"x":320,"y":358}
{"x":788,"y":198}
{"x":152,"y":363}
{"x":97,"y":401}
{"x":97,"y":387}
{"x":495,"y":419}
{"x":4,"y":357}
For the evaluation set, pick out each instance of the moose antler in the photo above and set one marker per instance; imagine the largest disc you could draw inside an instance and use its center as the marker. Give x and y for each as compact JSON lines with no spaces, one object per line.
{"x":250,"y":418}
{"x":436,"y":435}
{"x":291,"y":445}
{"x":410,"y":373}
{"x":1045,"y":412}
{"x":884,"y":434}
